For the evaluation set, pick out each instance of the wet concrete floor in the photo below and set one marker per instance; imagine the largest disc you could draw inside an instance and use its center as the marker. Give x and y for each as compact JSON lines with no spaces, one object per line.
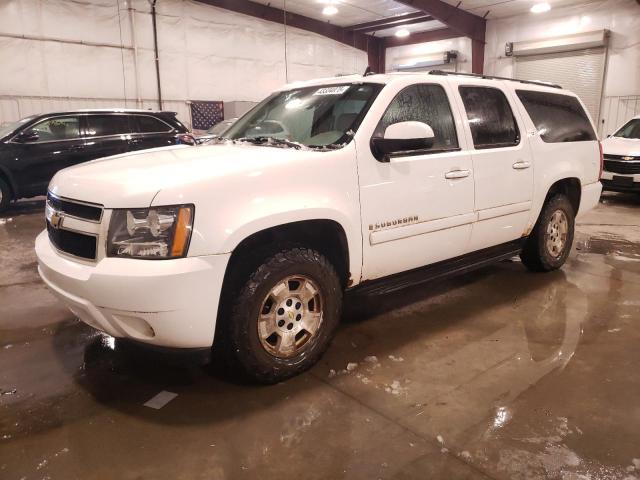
{"x":498,"y":374}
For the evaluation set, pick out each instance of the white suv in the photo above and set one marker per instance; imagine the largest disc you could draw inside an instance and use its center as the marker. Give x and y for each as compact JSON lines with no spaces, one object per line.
{"x":375,"y":182}
{"x":622,"y":158}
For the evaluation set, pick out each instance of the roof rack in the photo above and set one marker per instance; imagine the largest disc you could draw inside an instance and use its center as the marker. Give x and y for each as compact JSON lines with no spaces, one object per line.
{"x":491,"y":77}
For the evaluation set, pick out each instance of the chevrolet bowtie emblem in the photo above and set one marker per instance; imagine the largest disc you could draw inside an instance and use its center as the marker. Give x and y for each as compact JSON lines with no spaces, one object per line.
{"x":56,"y":219}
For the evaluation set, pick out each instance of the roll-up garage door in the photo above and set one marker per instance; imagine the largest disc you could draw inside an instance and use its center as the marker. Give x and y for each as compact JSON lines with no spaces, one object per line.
{"x":581,"y":71}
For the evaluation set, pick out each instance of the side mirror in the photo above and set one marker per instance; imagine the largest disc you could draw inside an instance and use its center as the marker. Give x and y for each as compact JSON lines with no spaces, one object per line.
{"x":186,"y":139}
{"x":402,"y":137}
{"x":28,"y":136}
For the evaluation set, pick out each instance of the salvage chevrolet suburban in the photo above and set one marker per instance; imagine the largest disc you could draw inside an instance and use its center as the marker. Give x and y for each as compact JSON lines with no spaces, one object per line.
{"x":372,"y":182}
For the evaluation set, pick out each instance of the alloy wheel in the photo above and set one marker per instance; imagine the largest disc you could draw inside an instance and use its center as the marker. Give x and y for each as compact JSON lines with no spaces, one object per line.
{"x":556,"y":234}
{"x":290,"y":316}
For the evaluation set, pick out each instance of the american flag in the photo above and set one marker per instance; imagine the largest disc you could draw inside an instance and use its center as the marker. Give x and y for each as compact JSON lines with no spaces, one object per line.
{"x":205,"y":115}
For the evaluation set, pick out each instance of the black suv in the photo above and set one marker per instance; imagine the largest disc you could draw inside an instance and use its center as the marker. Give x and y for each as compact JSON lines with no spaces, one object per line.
{"x":33,"y":149}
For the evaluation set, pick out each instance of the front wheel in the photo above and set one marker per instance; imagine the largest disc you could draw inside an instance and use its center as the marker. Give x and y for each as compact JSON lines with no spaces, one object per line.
{"x":549,"y":244}
{"x":284,"y":316}
{"x":5,"y":195}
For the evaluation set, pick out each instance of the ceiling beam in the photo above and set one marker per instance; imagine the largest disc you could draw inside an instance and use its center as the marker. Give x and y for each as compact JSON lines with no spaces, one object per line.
{"x":420,"y":37}
{"x":276,"y":15}
{"x":390,"y":22}
{"x":463,"y":22}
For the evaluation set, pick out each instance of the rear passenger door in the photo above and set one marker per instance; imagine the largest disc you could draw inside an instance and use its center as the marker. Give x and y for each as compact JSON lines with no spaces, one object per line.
{"x":502,"y":164}
{"x":106,"y":134}
{"x":150,"y":132}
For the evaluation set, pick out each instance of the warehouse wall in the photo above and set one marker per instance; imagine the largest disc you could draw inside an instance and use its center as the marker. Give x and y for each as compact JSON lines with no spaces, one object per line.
{"x":58,"y":54}
{"x":428,"y":51}
{"x":621,"y":95}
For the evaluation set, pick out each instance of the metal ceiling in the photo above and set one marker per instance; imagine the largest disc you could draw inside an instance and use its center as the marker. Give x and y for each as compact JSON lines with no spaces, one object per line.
{"x":352,"y":12}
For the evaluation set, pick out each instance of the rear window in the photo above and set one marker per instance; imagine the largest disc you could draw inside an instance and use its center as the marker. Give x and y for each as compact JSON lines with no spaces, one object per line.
{"x":558,"y":118}
{"x":147,"y":124}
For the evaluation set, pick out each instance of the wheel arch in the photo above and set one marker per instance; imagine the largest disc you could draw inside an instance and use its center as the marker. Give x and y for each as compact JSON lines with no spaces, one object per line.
{"x":570,"y":187}
{"x":327,"y":236}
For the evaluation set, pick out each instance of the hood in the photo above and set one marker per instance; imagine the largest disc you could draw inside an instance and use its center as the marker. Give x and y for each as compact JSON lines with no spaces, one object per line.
{"x":621,"y":146}
{"x":132,"y":180}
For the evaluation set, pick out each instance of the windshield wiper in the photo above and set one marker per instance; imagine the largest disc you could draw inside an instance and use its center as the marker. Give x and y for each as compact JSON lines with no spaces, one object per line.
{"x":264,"y":140}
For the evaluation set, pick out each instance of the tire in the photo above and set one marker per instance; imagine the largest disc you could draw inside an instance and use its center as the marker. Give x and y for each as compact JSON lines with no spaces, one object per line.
{"x":265,"y":334}
{"x":5,"y":195}
{"x":549,"y":244}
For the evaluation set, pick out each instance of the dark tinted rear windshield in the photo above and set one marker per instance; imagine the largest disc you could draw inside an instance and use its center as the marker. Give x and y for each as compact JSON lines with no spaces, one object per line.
{"x":558,"y":118}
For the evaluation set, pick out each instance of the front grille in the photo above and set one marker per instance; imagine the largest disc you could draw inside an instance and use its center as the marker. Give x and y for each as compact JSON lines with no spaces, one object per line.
{"x":72,"y":208}
{"x":621,"y":166}
{"x":73,"y":243}
{"x":608,"y":156}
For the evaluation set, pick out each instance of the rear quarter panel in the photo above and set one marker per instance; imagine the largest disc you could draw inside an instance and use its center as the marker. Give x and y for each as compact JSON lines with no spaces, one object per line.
{"x":556,"y":161}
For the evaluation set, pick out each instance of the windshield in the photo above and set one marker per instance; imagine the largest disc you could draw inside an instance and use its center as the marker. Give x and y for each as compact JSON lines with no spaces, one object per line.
{"x":318,"y":116}
{"x":11,"y":127}
{"x":219,"y":128}
{"x":630,"y":130}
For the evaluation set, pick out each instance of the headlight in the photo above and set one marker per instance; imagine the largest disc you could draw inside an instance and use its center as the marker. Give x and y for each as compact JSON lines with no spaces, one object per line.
{"x":152,"y":233}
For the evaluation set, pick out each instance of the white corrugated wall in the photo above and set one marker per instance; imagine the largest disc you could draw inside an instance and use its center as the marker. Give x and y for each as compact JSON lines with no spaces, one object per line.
{"x":58,"y":54}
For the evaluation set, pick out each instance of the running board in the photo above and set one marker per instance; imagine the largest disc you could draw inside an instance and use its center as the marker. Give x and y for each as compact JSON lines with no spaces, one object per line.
{"x":438,"y":271}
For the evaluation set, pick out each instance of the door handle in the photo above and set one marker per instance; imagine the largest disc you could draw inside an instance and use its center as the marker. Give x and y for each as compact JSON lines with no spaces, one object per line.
{"x":520,"y":165}
{"x":457,"y":174}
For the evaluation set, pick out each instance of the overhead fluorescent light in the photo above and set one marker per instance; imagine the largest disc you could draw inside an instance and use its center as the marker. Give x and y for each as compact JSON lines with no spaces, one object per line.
{"x":329,"y":10}
{"x":541,"y":7}
{"x":402,"y":33}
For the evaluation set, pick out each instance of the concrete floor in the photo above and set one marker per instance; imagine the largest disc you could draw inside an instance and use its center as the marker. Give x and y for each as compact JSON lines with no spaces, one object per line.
{"x":498,"y":374}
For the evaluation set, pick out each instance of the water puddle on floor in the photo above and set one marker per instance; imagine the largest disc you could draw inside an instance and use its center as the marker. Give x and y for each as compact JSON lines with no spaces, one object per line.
{"x":608,"y":244}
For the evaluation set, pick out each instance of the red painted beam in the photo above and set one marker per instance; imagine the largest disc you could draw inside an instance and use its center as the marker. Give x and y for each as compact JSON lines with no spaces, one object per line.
{"x":390,"y":22}
{"x":477,"y":57}
{"x":377,"y":55}
{"x":421,"y":37}
{"x":465,"y":23}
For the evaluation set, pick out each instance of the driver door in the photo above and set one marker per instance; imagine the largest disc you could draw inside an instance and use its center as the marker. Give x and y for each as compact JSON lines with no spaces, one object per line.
{"x":417,"y":207}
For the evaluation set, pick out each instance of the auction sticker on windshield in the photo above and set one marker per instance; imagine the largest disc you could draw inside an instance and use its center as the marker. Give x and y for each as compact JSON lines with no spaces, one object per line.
{"x":332,"y":90}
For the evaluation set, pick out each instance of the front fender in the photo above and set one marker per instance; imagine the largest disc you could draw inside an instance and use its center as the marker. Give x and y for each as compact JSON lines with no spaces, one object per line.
{"x":308,"y":186}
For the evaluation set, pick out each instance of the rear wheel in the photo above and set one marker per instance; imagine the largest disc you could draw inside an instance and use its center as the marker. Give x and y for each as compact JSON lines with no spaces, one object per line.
{"x":5,"y":195}
{"x":284,"y":315}
{"x":549,"y":244}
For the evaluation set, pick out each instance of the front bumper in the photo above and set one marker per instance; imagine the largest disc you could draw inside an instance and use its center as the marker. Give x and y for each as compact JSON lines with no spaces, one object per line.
{"x":615,"y":185}
{"x":168,"y":303}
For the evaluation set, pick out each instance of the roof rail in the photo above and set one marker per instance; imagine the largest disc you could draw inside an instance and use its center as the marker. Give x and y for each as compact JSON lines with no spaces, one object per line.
{"x":491,"y":77}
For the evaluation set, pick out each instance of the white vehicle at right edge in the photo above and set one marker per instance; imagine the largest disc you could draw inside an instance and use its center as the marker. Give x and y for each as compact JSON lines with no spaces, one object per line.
{"x":374,"y":182}
{"x":621,"y":171}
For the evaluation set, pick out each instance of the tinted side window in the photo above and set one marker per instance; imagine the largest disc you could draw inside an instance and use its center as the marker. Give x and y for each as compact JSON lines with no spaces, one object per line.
{"x":101,"y":125}
{"x":57,"y":128}
{"x":558,"y":118}
{"x":423,"y":103}
{"x":490,"y":117}
{"x":147,"y":124}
